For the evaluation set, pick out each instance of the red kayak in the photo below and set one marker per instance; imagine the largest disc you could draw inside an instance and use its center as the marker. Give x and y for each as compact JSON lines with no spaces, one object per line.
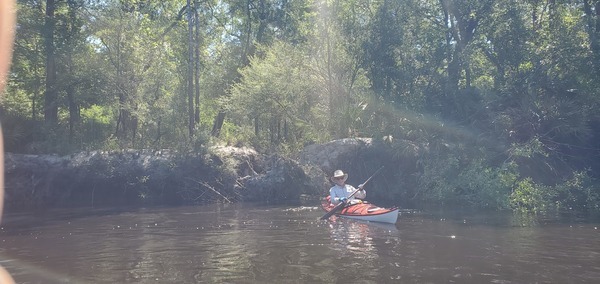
{"x":364,"y":211}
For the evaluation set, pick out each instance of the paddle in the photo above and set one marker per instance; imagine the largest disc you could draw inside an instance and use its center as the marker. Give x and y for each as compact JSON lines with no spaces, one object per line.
{"x":343,"y":203}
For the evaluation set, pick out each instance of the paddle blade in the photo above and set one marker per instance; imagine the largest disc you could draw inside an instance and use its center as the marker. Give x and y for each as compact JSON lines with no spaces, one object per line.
{"x":333,"y":211}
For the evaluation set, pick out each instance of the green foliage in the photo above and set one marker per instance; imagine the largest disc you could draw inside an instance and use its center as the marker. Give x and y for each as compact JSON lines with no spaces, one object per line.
{"x":580,"y":192}
{"x":454,"y":181}
{"x":17,"y":132}
{"x":528,"y":196}
{"x":435,"y":181}
{"x":110,"y":144}
{"x":495,"y":102}
{"x":276,"y":95}
{"x":17,"y":103}
{"x":529,"y":149}
{"x":50,"y":139}
{"x":487,"y":187}
{"x":96,"y":114}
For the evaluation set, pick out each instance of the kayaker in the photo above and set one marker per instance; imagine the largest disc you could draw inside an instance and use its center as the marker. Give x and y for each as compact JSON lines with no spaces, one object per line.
{"x":340,"y":191}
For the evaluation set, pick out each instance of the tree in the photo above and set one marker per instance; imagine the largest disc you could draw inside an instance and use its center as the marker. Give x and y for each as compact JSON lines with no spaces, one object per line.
{"x":260,"y":22}
{"x":591,"y":9}
{"x":28,"y":63}
{"x":51,"y":93}
{"x":275,"y":92}
{"x":134,"y":54}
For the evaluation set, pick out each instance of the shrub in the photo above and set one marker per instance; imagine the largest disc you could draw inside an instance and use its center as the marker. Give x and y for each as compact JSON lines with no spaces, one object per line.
{"x":580,"y":192}
{"x":529,"y":196}
{"x":450,"y":179}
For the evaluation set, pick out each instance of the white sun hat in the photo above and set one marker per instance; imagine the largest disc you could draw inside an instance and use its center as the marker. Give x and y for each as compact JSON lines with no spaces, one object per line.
{"x":339,"y":174}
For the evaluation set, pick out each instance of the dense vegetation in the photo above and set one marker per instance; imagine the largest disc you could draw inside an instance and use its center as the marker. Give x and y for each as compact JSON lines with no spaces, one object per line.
{"x":490,"y":103}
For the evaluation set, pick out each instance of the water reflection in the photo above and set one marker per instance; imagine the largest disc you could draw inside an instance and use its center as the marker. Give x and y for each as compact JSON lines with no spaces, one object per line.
{"x":352,"y":237}
{"x":360,"y":249}
{"x":237,"y":244}
{"x":356,"y":237}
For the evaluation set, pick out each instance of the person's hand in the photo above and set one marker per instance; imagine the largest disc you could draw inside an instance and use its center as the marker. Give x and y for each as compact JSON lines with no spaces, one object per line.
{"x":343,"y":199}
{"x":361,"y":186}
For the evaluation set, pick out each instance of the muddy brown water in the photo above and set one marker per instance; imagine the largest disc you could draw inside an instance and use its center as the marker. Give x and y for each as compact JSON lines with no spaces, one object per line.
{"x":245,"y":243}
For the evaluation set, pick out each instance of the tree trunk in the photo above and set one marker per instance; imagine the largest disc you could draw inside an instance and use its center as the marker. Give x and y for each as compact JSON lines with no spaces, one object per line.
{"x":51,"y":95}
{"x":121,"y":128}
{"x":190,"y":71}
{"x":218,"y":124}
{"x":593,"y":29}
{"x":74,"y":109}
{"x":37,"y":93}
{"x":197,"y":65}
{"x":246,"y":50}
{"x":74,"y":112}
{"x":256,"y":126}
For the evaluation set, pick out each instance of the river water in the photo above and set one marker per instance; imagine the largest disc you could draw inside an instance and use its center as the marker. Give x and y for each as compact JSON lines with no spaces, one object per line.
{"x":246,"y":243}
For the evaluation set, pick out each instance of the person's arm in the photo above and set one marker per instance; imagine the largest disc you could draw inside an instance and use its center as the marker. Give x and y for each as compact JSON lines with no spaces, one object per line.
{"x":334,"y":196}
{"x":361,"y":194}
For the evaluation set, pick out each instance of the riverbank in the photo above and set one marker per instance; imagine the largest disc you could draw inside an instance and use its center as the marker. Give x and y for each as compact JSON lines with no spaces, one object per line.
{"x":232,"y":174}
{"x":165,"y":177}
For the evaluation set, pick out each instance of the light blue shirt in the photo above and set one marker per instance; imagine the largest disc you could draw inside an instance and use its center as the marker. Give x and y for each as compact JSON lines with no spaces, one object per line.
{"x":337,"y":192}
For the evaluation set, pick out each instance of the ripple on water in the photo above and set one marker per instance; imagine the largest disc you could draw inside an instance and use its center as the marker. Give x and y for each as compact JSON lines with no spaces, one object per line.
{"x":275,"y":244}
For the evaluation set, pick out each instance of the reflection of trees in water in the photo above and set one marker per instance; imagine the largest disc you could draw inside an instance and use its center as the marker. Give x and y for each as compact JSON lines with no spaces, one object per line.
{"x":352,"y":237}
{"x":361,"y":248}
{"x":523,"y":219}
{"x":210,"y":247}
